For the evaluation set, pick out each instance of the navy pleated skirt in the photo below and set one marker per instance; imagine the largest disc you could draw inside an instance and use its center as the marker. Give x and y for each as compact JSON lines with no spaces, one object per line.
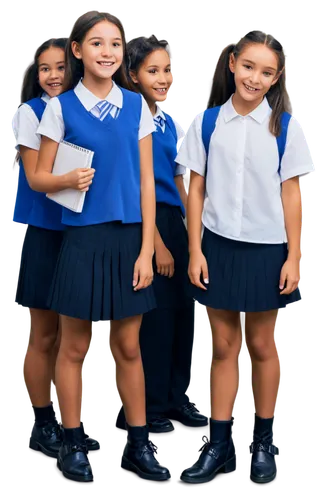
{"x":172,"y":292}
{"x":243,"y":276}
{"x":94,"y":273}
{"x":38,"y":262}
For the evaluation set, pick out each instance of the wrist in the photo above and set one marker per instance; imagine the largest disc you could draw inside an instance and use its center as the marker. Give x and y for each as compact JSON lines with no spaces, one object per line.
{"x":294,"y":255}
{"x":147,"y":252}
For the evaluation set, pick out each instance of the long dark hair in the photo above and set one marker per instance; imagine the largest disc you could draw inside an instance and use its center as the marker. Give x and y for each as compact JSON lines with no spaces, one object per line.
{"x":224,"y":83}
{"x":74,"y":69}
{"x":139,"y":48}
{"x":30,"y":86}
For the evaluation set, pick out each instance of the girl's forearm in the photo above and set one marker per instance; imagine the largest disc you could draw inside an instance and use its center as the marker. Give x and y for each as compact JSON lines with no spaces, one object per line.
{"x":194,"y":211}
{"x":292,"y":207}
{"x":45,"y":182}
{"x":148,"y":209}
{"x":179,"y":181}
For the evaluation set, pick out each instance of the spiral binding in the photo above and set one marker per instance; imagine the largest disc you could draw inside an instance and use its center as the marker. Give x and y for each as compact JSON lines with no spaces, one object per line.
{"x":84,"y":150}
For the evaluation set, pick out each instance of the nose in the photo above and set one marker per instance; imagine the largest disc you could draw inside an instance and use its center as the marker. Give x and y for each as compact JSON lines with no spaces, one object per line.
{"x":255,"y":77}
{"x":54,"y":74}
{"x":161,"y":78}
{"x":107,"y":50}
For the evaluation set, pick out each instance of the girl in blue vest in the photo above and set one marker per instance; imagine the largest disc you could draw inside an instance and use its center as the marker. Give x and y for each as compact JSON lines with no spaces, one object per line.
{"x":166,"y":334}
{"x":246,"y":154}
{"x":104,"y":270}
{"x":43,"y":80}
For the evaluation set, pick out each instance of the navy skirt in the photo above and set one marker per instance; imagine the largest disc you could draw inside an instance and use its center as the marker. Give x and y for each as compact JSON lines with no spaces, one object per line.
{"x":94,"y":273}
{"x":38,"y":261}
{"x":172,"y":292}
{"x":243,"y":276}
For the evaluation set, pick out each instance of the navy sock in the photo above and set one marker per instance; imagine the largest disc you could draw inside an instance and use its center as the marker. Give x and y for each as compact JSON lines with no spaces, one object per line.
{"x":44,"y":414}
{"x":220,"y":430}
{"x":74,"y":435}
{"x":263,"y":429}
{"x":137,"y":434}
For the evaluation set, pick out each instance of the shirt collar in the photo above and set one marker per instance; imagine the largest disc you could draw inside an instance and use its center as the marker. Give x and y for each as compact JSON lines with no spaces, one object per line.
{"x":258,"y":114}
{"x":45,"y":97}
{"x":159,"y":113}
{"x":89,"y":100}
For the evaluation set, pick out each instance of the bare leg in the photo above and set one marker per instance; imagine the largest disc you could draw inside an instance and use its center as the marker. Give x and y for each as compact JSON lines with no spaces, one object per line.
{"x":75,"y":341}
{"x":259,"y":328}
{"x":227,"y":341}
{"x":39,"y":357}
{"x":125,"y":347}
{"x":55,"y":351}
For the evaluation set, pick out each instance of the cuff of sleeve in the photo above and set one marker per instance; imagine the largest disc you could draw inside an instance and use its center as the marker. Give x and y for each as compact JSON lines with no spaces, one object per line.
{"x":47,"y":133}
{"x":144,"y":133}
{"x":297,"y":172}
{"x":26,"y":143}
{"x":191,"y":165}
{"x":180,"y":170}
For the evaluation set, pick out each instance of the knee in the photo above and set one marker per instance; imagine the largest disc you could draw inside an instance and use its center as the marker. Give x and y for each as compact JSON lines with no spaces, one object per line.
{"x":226,"y":349}
{"x":43,"y":340}
{"x":74,"y":352}
{"x":125,"y":351}
{"x":261,"y":349}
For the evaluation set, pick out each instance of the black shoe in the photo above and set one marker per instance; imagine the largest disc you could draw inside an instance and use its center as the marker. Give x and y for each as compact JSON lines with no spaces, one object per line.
{"x":46,"y":438}
{"x":160,"y":425}
{"x":92,"y":444}
{"x":263,"y":462}
{"x":144,"y":460}
{"x":72,"y":458}
{"x":187,"y":414}
{"x":213,"y":458}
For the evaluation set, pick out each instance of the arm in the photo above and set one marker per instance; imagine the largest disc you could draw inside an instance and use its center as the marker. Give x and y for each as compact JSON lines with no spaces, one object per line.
{"x":292,"y":207}
{"x":194,"y":211}
{"x":148,"y":202}
{"x":42,"y":179}
{"x":179,"y":181}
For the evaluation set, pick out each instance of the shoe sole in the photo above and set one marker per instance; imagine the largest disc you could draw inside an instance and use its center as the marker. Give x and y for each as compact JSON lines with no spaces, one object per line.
{"x":34,"y":445}
{"x":196,"y":424}
{"x":262,"y":480}
{"x":153,"y":431}
{"x":229,"y":466}
{"x":94,"y":448}
{"x":126,"y":464}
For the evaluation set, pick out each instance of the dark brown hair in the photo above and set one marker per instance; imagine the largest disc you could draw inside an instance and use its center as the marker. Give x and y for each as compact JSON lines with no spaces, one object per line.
{"x":224,"y":82}
{"x":74,"y":69}
{"x":30,"y":86}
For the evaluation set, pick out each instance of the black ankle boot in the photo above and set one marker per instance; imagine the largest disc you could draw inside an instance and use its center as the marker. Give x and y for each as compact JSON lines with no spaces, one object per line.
{"x":218,"y":455}
{"x":46,"y":435}
{"x":72,"y":458}
{"x":263,"y":467}
{"x":139,"y":457}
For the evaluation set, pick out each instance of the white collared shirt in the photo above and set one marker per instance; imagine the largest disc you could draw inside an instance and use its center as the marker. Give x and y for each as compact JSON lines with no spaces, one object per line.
{"x":243,"y":184}
{"x":180,"y":170}
{"x":25,"y":124}
{"x":52,"y":124}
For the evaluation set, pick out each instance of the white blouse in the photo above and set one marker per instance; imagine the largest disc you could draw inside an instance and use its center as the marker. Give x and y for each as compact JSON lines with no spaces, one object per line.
{"x":25,"y":124}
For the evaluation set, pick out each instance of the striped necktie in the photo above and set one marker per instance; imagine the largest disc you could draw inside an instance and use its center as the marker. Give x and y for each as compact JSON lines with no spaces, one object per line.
{"x":159,"y":122}
{"x":104,"y":108}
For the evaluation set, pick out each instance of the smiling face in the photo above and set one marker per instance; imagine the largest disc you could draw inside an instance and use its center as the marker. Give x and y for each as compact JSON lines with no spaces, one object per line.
{"x":154,"y":76}
{"x":101,"y":51}
{"x":51,"y":70}
{"x":255,"y":71}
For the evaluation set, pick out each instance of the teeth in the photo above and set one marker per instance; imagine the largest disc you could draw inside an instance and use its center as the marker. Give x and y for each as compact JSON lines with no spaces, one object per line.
{"x":102,"y":63}
{"x":249,"y":88}
{"x":160,"y":90}
{"x":55,"y":84}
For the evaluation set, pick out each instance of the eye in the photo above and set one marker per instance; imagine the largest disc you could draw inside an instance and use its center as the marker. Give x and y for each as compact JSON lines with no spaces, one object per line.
{"x":96,"y":44}
{"x":168,"y":70}
{"x":247,"y":66}
{"x":152,"y":71}
{"x":267,"y":73}
{"x":61,"y":68}
{"x":117,"y":44}
{"x":44,"y":70}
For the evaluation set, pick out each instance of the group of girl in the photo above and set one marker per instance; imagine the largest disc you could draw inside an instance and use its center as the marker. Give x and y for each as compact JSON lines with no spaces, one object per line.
{"x":126,"y":257}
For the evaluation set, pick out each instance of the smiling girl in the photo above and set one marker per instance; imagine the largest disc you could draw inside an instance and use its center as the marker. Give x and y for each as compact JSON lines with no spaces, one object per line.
{"x":246,"y":154}
{"x":166,"y":334}
{"x":104,"y":269}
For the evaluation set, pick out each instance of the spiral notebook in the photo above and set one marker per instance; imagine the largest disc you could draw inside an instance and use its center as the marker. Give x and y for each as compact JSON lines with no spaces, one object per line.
{"x":68,"y":158}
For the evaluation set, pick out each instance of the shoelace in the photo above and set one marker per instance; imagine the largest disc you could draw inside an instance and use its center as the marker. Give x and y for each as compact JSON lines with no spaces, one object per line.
{"x":79,"y":447}
{"x":206,"y":443}
{"x":190,"y":408}
{"x":149,"y":448}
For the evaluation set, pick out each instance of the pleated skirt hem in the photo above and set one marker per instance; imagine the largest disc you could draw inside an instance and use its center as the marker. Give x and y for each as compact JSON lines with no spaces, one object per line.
{"x":243,"y":276}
